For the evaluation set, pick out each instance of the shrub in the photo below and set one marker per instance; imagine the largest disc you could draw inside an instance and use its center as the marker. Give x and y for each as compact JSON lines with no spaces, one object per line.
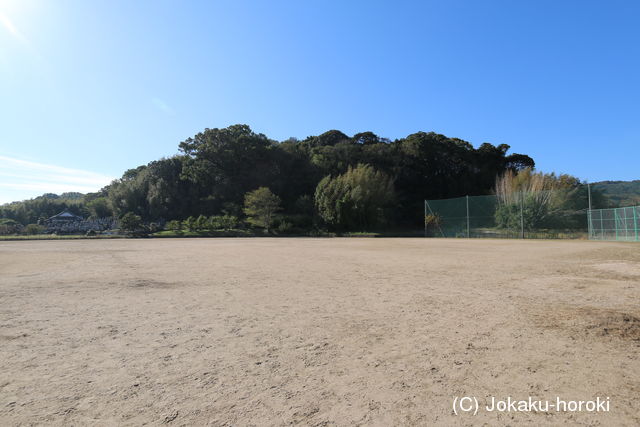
{"x":285,"y":227}
{"x":432,"y":222}
{"x":33,"y":229}
{"x":10,"y":226}
{"x":174,"y":225}
{"x":224,"y":222}
{"x":230,"y":221}
{"x":214,"y":222}
{"x":202,"y":223}
{"x":189,"y":223}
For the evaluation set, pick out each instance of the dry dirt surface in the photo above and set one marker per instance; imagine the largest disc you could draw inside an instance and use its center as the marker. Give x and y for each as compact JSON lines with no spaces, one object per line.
{"x":316,"y":331}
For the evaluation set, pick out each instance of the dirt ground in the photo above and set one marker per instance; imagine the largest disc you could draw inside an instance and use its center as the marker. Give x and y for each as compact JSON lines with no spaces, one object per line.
{"x":316,"y":331}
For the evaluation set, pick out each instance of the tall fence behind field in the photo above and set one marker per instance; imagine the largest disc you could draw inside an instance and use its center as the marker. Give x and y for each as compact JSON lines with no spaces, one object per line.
{"x":541,"y":214}
{"x":622,"y":224}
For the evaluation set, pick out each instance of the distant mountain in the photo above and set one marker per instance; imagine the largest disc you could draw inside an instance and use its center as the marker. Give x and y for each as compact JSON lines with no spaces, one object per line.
{"x":621,"y":193}
{"x":66,"y":196}
{"x":63,"y":197}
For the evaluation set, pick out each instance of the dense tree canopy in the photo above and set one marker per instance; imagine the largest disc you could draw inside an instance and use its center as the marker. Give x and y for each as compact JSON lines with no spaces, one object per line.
{"x":355,"y":200}
{"x":217,"y":167}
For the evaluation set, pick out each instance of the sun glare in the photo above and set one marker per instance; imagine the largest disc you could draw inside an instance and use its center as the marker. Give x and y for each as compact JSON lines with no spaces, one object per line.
{"x":9,"y":8}
{"x":15,"y":14}
{"x":8,"y":25}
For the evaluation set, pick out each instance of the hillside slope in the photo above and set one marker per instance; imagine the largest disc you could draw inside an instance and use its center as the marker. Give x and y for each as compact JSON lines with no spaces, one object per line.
{"x":621,"y":193}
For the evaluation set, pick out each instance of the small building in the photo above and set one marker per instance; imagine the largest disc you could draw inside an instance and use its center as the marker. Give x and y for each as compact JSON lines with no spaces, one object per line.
{"x":64,"y":216}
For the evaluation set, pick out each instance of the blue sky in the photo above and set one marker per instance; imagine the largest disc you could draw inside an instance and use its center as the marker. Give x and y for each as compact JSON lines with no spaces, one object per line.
{"x":90,"y":88}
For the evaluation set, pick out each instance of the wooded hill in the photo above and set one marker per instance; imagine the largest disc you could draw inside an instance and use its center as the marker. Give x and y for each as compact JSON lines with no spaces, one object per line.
{"x":216,"y":168}
{"x":620,"y":193}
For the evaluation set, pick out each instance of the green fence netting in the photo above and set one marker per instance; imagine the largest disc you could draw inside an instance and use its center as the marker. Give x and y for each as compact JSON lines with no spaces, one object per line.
{"x":622,"y":224}
{"x":540,"y":214}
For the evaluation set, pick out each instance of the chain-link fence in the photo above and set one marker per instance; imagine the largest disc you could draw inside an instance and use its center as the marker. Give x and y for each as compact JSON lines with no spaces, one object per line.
{"x":559,"y":214}
{"x":615,"y":224}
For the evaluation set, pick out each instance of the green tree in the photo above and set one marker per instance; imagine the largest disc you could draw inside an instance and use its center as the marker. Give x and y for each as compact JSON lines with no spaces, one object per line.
{"x":99,"y":207}
{"x":226,"y":163}
{"x":169,"y":195}
{"x":260,"y":206}
{"x":130,"y":222}
{"x":355,"y":200}
{"x":366,"y":138}
{"x":330,"y":137}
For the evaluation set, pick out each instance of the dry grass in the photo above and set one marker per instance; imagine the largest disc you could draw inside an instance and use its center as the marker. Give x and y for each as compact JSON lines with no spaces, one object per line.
{"x":537,"y":185}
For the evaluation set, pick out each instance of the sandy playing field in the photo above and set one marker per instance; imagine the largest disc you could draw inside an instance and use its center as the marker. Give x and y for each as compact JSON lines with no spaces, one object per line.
{"x":316,"y":331}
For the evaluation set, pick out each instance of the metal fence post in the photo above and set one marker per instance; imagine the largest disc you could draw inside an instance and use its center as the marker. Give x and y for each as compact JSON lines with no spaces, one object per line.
{"x":626,"y":226}
{"x":468,"y":228}
{"x":589,"y":219}
{"x":424,"y":218}
{"x":635,"y":220}
{"x":521,"y":215}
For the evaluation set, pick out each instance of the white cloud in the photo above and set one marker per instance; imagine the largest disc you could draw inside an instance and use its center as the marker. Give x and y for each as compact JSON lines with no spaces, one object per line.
{"x":162,"y":106}
{"x":22,"y":179}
